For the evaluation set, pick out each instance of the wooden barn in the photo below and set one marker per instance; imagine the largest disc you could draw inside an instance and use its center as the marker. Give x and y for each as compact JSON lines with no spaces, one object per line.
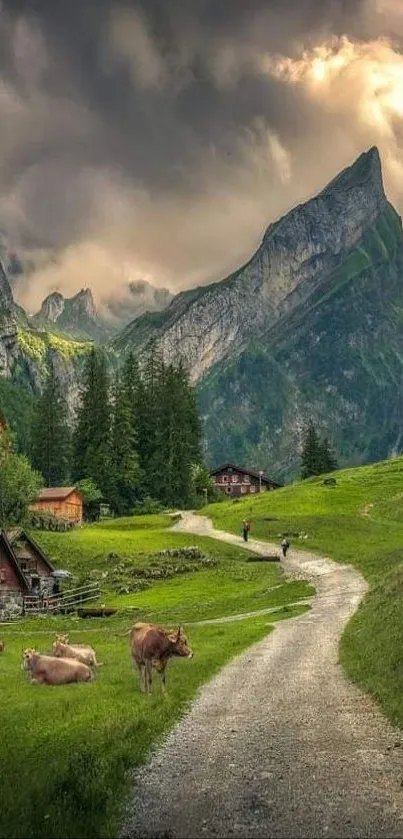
{"x":62,"y":502}
{"x":235,"y":480}
{"x":23,"y":566}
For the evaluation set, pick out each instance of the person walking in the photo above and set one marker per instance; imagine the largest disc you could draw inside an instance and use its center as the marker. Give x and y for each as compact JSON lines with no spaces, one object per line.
{"x":284,"y":547}
{"x":245,"y":530}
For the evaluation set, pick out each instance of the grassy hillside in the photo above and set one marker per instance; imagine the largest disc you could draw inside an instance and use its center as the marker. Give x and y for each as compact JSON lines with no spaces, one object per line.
{"x":66,"y":751}
{"x":358,"y":521}
{"x":125,"y":553}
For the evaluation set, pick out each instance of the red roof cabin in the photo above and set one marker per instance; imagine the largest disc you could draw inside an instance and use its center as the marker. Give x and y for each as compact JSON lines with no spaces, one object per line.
{"x":236,"y":481}
{"x":62,"y":502}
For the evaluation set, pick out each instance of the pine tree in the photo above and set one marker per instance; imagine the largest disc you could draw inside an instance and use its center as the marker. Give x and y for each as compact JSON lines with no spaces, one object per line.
{"x":125,"y":472}
{"x":327,"y":457}
{"x":51,"y":439}
{"x":151,"y":418}
{"x":92,"y":444}
{"x":311,"y":453}
{"x":179,"y":436}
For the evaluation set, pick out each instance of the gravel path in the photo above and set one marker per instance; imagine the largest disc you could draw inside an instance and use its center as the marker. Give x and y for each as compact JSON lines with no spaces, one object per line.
{"x":279,"y":744}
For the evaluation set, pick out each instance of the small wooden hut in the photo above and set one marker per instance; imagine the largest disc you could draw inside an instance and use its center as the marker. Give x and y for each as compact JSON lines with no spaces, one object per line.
{"x":62,"y":502}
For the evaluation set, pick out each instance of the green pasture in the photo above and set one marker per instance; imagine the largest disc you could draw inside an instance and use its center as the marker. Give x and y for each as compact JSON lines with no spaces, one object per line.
{"x":67,"y":750}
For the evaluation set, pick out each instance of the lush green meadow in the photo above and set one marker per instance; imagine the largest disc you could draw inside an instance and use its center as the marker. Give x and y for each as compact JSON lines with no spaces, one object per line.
{"x":357,"y":521}
{"x":66,"y":751}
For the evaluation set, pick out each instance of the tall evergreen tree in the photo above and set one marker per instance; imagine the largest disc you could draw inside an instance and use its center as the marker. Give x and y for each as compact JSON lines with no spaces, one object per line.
{"x":92,"y":442}
{"x":179,"y":444}
{"x":51,"y":439}
{"x":124,"y":488}
{"x":317,"y":455}
{"x":311,"y":454}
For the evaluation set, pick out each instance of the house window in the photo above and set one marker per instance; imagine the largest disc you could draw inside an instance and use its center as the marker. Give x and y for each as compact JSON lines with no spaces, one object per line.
{"x":253,"y":488}
{"x":229,"y":490}
{"x":246,"y":479}
{"x":234,"y":479}
{"x":243,"y":490}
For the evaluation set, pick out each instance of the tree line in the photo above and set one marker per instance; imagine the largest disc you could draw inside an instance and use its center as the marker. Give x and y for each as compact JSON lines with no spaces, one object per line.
{"x":137,"y":436}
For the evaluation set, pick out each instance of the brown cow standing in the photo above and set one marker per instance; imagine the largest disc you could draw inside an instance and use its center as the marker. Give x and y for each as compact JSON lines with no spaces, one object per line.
{"x":49,"y":670}
{"x":151,"y":646}
{"x":1,"y":646}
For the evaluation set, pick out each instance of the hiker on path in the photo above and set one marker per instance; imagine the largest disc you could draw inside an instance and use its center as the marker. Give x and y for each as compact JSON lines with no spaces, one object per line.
{"x":284,"y":547}
{"x":245,"y":530}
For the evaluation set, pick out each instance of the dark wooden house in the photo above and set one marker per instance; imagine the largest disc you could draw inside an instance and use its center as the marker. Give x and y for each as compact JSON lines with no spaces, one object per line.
{"x":23,"y":566}
{"x":62,"y":502}
{"x":236,"y":481}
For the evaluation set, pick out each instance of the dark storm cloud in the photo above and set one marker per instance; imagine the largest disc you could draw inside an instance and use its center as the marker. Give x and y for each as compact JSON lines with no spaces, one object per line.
{"x":154,"y":140}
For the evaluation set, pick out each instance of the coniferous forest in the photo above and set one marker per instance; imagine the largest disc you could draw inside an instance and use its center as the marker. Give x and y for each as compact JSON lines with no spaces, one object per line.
{"x":136,"y":437}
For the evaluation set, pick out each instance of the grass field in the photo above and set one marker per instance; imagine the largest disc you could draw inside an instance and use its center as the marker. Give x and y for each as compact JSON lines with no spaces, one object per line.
{"x":66,"y":751}
{"x":358,"y":521}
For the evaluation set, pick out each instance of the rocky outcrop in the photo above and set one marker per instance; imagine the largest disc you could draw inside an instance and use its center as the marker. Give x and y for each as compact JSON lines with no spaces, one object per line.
{"x":209,"y":324}
{"x":76,"y":316}
{"x":52,"y":307}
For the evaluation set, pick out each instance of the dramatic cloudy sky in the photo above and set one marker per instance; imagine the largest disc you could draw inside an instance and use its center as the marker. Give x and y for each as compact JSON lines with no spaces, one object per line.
{"x":147,"y":139}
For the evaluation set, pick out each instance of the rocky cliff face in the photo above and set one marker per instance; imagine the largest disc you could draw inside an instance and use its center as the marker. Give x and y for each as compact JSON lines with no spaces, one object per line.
{"x":52,"y":307}
{"x":209,"y":324}
{"x":24,"y":351}
{"x":8,"y":324}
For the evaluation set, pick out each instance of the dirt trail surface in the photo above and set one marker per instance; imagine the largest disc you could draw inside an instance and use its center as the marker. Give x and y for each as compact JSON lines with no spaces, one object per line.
{"x":278,"y":744}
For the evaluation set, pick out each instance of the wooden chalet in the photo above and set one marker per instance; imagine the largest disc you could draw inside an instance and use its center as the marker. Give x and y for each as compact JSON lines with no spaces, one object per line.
{"x":23,"y":566}
{"x":236,"y":481}
{"x":62,"y":502}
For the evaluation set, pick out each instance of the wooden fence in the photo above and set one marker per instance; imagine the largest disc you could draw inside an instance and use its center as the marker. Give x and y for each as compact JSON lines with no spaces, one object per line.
{"x":67,"y":602}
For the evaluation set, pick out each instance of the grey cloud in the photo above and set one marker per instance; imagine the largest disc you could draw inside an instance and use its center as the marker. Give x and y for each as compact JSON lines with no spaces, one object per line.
{"x":145,"y":139}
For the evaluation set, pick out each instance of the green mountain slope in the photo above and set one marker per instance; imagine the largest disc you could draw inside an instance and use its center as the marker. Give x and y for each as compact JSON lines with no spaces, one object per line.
{"x":337,"y":358}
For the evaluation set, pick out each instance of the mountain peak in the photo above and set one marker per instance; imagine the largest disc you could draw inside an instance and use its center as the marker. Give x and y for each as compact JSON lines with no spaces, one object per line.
{"x":365,"y":171}
{"x":83,"y":303}
{"x":52,"y":306}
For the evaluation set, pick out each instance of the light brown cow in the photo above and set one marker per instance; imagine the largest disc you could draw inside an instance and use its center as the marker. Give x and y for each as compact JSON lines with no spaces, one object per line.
{"x":1,"y":646}
{"x":49,"y":670}
{"x":151,"y":646}
{"x":82,"y":652}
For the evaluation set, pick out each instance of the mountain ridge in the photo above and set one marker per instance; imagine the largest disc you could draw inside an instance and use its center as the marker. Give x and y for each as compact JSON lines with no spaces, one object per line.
{"x":296,"y":252}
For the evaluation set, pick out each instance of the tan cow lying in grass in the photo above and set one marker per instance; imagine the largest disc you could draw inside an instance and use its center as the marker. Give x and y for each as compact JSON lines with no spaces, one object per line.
{"x":82,"y":652}
{"x":49,"y":670}
{"x":151,"y":646}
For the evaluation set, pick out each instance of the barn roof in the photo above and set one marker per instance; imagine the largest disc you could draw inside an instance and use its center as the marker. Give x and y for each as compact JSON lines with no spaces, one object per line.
{"x":56,"y":493}
{"x":13,"y":561}
{"x":18,"y":535}
{"x":253,"y":472}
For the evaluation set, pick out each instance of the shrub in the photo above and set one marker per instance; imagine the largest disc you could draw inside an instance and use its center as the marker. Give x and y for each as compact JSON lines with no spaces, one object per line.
{"x":148,"y":507}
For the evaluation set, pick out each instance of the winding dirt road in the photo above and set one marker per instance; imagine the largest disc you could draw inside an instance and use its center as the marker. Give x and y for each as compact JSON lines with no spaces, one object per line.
{"x":279,"y":744}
